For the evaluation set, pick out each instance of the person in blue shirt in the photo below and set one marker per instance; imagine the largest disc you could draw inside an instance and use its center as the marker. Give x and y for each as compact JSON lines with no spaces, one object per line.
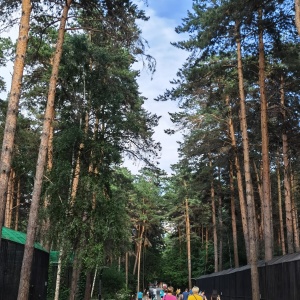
{"x":185,"y":294}
{"x":140,"y":295}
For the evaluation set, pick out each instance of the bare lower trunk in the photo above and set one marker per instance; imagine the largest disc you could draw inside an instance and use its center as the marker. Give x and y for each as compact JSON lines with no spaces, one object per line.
{"x":18,"y":204}
{"x":297,"y":15}
{"x":10,"y":200}
{"x":41,"y":162}
{"x":239,"y":176}
{"x":88,"y":286}
{"x":233,"y":218}
{"x":248,"y":181}
{"x":260,"y":217}
{"x":13,"y":107}
{"x":214,"y":222}
{"x":266,"y":183}
{"x":126,"y":269}
{"x":286,"y":177}
{"x":75,"y":276}
{"x":188,"y":242}
{"x":58,"y":275}
{"x":282,"y":239}
{"x":295,"y":223}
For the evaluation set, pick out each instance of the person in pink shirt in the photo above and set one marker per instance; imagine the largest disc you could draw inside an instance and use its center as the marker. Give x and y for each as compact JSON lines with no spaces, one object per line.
{"x":169,"y":295}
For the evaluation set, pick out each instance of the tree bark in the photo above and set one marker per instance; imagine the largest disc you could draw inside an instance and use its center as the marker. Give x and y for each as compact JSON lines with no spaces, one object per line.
{"x":286,"y":176}
{"x":58,"y":275}
{"x":75,"y":276}
{"x":13,"y":107}
{"x":188,"y":241}
{"x":239,"y":176}
{"x":46,"y":222}
{"x":9,"y":200}
{"x":233,"y":217}
{"x":260,"y":225}
{"x":214,"y":222}
{"x":88,"y":286}
{"x":295,"y":220}
{"x":282,"y":238}
{"x":248,"y":181}
{"x":266,"y":183}
{"x":220,"y":224}
{"x":41,"y":162}
{"x":297,"y":15}
{"x":18,"y":204}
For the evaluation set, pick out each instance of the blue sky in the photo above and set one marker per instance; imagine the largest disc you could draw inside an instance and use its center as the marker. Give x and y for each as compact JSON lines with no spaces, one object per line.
{"x":159,"y":31}
{"x":173,"y":9}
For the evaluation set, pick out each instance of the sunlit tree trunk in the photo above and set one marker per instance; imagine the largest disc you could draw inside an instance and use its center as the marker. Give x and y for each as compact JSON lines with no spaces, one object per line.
{"x":286,"y":176}
{"x":188,"y":242}
{"x":282,"y":238}
{"x":10,"y":200}
{"x":58,"y":275}
{"x":297,"y":15}
{"x":13,"y":107}
{"x":233,"y":217}
{"x":266,"y":183}
{"x":295,"y":218}
{"x":214,"y":222}
{"x":46,"y":222}
{"x":139,"y":252}
{"x":41,"y":162}
{"x":248,"y":181}
{"x":18,"y":204}
{"x":220,"y":224}
{"x":239,"y":176}
{"x":260,"y":225}
{"x":126,"y":269}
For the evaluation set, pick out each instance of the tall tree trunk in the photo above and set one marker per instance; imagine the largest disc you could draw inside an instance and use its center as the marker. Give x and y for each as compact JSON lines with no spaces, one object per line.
{"x":9,"y":200}
{"x":295,"y":225}
{"x":213,"y":216}
{"x":13,"y":107}
{"x":233,"y":217}
{"x":295,"y":216}
{"x":126,"y":269}
{"x":75,"y":275}
{"x":18,"y":204}
{"x":88,"y":286}
{"x":206,"y":246}
{"x":37,"y":188}
{"x":248,"y":181}
{"x":286,"y":176}
{"x":58,"y":275}
{"x":297,"y":15}
{"x":46,"y":222}
{"x":188,"y":241}
{"x":282,"y":239}
{"x":139,"y":252}
{"x":220,"y":224}
{"x":239,"y":176}
{"x":260,"y":225}
{"x":266,"y":183}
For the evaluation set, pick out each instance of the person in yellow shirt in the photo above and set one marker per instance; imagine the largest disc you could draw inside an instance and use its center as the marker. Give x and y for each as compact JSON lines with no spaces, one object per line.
{"x":195,"y":294}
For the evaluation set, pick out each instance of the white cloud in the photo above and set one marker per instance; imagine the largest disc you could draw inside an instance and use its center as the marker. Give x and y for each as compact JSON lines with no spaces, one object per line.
{"x":159,"y":32}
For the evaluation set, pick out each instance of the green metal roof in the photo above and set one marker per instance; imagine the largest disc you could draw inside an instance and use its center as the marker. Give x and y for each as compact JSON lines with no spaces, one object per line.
{"x":18,"y":237}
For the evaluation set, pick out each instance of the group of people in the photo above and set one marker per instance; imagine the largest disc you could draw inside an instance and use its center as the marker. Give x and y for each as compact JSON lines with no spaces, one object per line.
{"x":168,"y":294}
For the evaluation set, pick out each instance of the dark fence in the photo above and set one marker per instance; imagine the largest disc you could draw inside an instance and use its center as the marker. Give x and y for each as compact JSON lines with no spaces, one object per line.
{"x":278,"y":279}
{"x":11,"y":256}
